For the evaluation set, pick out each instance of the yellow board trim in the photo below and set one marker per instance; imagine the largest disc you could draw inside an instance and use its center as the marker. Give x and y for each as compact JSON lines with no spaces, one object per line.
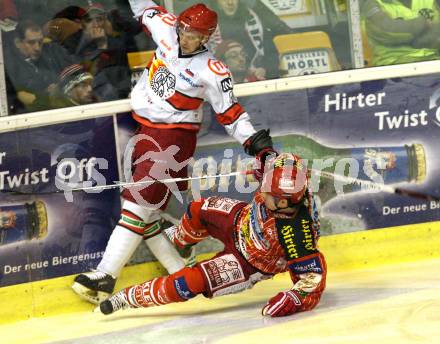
{"x":364,"y":249}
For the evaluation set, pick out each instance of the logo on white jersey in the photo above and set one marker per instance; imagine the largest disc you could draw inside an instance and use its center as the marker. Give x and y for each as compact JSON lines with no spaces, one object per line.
{"x":218,"y":67}
{"x":226,"y":85}
{"x":162,"y":81}
{"x":153,"y":13}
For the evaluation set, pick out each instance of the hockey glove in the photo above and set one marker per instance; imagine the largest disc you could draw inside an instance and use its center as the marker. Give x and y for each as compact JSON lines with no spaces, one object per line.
{"x":257,"y":142}
{"x":139,"y":6}
{"x":284,"y":303}
{"x":259,"y":145}
{"x":260,"y":162}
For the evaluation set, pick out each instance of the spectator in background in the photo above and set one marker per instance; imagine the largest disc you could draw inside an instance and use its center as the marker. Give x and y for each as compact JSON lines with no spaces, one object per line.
{"x":64,"y":24}
{"x":76,"y":87}
{"x":402,"y":31}
{"x":255,"y":28}
{"x":33,"y":66}
{"x":235,"y":57}
{"x":102,"y":54}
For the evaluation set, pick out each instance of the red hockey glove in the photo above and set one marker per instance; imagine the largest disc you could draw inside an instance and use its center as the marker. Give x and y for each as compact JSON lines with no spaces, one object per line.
{"x":260,"y":162}
{"x":284,"y":303}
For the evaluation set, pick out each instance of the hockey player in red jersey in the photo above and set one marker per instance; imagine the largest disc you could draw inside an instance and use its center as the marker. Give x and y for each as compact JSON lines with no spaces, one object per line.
{"x":277,"y":232}
{"x":167,"y":104}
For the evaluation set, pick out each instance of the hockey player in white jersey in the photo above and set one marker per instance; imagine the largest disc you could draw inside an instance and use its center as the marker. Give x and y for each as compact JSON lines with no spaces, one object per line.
{"x":167,"y":104}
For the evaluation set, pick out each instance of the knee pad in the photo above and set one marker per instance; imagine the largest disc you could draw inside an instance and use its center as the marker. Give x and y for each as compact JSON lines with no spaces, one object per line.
{"x":141,"y":220}
{"x":190,"y":229}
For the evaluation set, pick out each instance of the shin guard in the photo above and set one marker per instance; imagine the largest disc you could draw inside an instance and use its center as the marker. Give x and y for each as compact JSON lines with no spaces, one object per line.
{"x":165,"y":253}
{"x":178,"y":287}
{"x":119,"y":250}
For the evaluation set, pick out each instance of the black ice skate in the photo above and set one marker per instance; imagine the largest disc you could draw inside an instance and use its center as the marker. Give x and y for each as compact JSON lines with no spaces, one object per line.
{"x":115,"y":303}
{"x":94,"y":286}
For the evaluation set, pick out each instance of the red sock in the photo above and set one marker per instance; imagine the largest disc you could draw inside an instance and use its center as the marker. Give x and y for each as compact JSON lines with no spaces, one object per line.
{"x":178,"y":287}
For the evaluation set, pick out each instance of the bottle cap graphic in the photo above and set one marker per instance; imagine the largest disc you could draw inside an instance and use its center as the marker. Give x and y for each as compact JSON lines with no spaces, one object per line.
{"x":417,"y":162}
{"x":37,"y":220}
{"x":22,"y":222}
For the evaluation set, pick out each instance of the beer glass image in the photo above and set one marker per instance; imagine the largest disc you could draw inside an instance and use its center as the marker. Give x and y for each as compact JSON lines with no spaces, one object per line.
{"x":22,"y":222}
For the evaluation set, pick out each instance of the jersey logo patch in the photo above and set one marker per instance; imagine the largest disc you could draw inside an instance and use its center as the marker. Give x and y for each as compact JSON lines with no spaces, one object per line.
{"x":296,"y":236}
{"x":152,"y":13}
{"x":182,"y":288}
{"x":226,"y":85}
{"x":312,"y":264}
{"x":220,"y":204}
{"x":222,"y":272}
{"x":162,"y":81}
{"x":218,"y":67}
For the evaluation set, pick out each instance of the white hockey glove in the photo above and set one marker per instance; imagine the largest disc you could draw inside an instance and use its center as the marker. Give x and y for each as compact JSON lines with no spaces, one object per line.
{"x":138,"y":6}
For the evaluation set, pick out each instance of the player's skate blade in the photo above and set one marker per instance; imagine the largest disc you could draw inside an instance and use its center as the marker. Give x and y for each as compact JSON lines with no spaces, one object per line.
{"x":94,"y":286}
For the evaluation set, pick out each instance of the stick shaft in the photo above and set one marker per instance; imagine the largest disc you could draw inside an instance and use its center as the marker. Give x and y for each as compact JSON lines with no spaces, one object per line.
{"x":364,"y":184}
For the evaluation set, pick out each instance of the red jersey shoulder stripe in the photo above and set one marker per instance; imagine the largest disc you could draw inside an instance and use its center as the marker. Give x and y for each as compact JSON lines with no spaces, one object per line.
{"x":230,"y":115}
{"x":182,"y":102}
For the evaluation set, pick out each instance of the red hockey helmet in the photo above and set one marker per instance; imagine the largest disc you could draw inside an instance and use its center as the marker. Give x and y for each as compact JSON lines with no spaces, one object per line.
{"x":198,"y":18}
{"x":286,"y":178}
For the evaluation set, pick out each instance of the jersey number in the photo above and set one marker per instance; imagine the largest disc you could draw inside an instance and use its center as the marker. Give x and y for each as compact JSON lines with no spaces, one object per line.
{"x":168,"y":18}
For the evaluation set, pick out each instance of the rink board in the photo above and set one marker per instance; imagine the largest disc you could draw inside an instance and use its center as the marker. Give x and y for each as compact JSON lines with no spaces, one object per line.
{"x":347,"y":251}
{"x":388,"y":129}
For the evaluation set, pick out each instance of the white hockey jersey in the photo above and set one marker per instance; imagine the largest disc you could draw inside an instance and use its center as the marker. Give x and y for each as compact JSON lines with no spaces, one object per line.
{"x":172,"y":89}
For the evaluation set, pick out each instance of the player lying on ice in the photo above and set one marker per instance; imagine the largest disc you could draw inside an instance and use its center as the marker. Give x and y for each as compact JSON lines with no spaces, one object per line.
{"x":276,"y":232}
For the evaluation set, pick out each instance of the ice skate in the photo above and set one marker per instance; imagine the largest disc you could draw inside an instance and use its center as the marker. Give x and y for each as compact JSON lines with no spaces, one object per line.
{"x":188,"y":253}
{"x":94,"y":286}
{"x":115,"y":303}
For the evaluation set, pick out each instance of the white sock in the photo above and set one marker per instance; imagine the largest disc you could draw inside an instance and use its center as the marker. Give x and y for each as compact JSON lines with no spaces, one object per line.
{"x":119,"y":250}
{"x":165,"y":252}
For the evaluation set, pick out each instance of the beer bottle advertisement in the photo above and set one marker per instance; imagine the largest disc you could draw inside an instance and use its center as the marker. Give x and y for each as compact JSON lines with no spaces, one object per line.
{"x":42,"y":234}
{"x":390,"y":128}
{"x":384,"y":131}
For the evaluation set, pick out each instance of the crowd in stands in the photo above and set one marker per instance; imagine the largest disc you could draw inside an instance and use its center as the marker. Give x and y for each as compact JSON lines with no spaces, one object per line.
{"x":47,"y":43}
{"x":44,"y":41}
{"x":402,"y":31}
{"x":254,"y":28}
{"x":77,"y":55}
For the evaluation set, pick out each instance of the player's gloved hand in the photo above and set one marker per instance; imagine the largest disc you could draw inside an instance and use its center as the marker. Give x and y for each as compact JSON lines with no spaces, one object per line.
{"x":139,"y":6}
{"x":260,"y":162}
{"x":284,"y":303}
{"x":259,"y":145}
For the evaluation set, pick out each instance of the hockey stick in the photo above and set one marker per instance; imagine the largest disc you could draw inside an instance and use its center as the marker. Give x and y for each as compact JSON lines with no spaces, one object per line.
{"x":364,"y":184}
{"x":369,"y":185}
{"x":118,"y":184}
